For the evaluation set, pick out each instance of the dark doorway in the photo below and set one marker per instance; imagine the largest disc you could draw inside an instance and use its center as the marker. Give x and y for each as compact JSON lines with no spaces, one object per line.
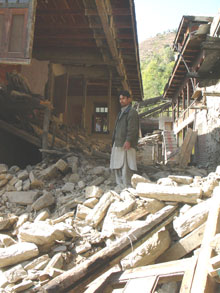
{"x":16,"y":151}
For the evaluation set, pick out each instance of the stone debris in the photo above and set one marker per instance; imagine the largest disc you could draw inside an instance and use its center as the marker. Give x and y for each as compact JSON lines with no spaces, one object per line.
{"x":57,"y":214}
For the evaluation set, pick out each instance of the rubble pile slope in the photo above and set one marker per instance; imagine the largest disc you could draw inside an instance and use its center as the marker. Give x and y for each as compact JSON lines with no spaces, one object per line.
{"x":67,"y":211}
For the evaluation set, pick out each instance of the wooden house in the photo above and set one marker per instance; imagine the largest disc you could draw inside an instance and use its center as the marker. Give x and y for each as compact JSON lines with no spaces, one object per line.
{"x":77,"y":54}
{"x":190,"y":86}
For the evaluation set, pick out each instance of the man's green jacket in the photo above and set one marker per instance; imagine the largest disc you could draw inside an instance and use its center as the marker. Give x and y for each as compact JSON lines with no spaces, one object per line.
{"x":126,"y":128}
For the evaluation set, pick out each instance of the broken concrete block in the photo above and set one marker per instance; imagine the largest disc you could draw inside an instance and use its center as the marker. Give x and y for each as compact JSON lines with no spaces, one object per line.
{"x":21,"y":220}
{"x":185,"y":193}
{"x":74,"y":178}
{"x":3,"y":168}
{"x":148,"y":252}
{"x":3,"y":182}
{"x":22,"y":197}
{"x":83,"y":248}
{"x":66,"y":229}
{"x":82,"y":211}
{"x":26,"y":185}
{"x":192,"y":219}
{"x":90,"y":202}
{"x":13,"y":181}
{"x":73,"y":163}
{"x":59,"y":249}
{"x":44,"y":201}
{"x":97,"y":170}
{"x":6,"y":240}
{"x":135,"y":179}
{"x":23,"y":175}
{"x":166,"y":181}
{"x":99,"y":180}
{"x":208,"y":186}
{"x":181,"y":179}
{"x":217,"y":171}
{"x":17,"y":253}
{"x":62,"y":165}
{"x":7,"y":221}
{"x":35,"y":182}
{"x":32,"y":265}
{"x":18,"y":185}
{"x":119,"y":209}
{"x":15,"y":274}
{"x":57,"y":262}
{"x":148,"y":206}
{"x":98,"y":212}
{"x":39,"y":233}
{"x":42,"y":216}
{"x":68,"y":187}
{"x":49,"y":172}
{"x":21,"y":287}
{"x":81,"y":184}
{"x":93,"y":191}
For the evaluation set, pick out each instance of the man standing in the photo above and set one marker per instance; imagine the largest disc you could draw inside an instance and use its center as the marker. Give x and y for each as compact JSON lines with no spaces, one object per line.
{"x":124,"y":141}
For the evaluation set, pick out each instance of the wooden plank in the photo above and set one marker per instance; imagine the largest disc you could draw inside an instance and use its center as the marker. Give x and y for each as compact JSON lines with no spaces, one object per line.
{"x":109,"y":256}
{"x":142,"y":285}
{"x":184,"y":245}
{"x":201,"y":281}
{"x":188,"y":277}
{"x":187,"y":146}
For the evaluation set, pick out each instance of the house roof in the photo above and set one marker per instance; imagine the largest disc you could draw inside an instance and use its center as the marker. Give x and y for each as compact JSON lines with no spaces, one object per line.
{"x":91,"y":33}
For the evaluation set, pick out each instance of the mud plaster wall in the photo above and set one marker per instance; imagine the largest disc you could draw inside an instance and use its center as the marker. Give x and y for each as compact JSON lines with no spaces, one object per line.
{"x":207,"y":124}
{"x":36,"y":75}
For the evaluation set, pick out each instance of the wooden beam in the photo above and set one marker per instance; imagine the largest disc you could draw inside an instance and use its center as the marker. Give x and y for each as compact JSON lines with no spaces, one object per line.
{"x":72,"y":36}
{"x":150,"y":101}
{"x":65,"y":26}
{"x":111,"y":41}
{"x":55,"y":11}
{"x":161,"y":107}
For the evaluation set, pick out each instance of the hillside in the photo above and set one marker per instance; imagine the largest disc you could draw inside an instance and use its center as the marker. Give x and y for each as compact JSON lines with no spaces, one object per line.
{"x":157,"y":61}
{"x":154,"y":44}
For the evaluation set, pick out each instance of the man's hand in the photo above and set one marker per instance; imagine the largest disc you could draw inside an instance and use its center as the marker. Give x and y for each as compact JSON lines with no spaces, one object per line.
{"x":127,"y":145}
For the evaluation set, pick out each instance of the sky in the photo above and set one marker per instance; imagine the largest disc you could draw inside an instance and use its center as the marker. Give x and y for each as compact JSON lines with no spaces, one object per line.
{"x":158,"y":16}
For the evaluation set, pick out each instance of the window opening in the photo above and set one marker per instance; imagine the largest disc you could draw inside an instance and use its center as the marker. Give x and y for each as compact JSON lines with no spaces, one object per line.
{"x":100,"y":120}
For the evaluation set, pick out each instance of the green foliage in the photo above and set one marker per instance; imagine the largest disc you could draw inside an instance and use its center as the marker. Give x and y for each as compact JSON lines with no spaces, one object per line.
{"x":156,"y":71}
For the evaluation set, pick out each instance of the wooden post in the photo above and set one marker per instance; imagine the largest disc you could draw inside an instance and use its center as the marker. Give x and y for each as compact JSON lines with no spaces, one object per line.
{"x":84,"y":102}
{"x":110,"y":99}
{"x":47,"y":113}
{"x":188,"y":97}
{"x":46,"y":124}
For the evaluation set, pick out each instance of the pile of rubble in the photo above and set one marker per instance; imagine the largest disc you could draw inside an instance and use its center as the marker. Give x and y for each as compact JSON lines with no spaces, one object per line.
{"x":58,"y":217}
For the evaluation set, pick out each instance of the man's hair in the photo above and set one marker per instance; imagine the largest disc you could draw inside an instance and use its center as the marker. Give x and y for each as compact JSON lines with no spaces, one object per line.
{"x":125,"y":94}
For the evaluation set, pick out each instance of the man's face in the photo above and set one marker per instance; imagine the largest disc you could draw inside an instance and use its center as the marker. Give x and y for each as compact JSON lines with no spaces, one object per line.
{"x":124,"y":101}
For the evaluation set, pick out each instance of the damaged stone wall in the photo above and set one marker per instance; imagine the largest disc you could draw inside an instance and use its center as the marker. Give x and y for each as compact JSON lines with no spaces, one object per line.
{"x":207,"y":123}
